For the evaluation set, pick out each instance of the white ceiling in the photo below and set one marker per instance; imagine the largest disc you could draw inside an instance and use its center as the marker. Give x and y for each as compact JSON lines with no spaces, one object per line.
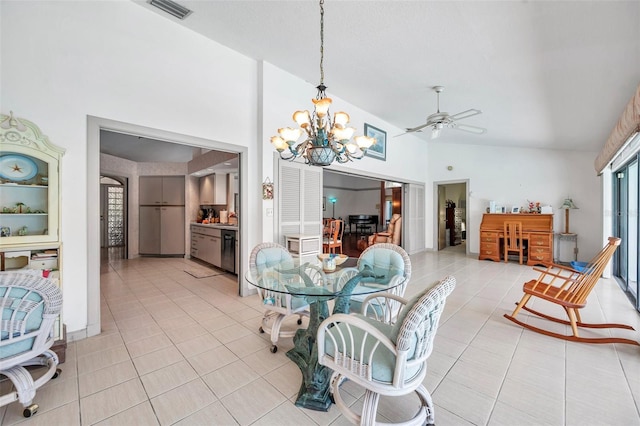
{"x":145,"y":150}
{"x":546,"y":74}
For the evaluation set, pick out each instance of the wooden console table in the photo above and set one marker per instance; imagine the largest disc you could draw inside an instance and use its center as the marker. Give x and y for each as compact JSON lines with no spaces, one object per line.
{"x":537,"y":231}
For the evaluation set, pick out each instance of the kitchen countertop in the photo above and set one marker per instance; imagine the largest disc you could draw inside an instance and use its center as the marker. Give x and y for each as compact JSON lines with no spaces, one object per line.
{"x":216,"y":225}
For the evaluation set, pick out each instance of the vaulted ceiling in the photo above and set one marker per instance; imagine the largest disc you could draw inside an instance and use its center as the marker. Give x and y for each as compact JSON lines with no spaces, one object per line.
{"x":546,"y":74}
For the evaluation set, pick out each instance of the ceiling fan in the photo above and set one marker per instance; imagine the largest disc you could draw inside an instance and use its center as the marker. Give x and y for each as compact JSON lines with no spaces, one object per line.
{"x":439,"y":120}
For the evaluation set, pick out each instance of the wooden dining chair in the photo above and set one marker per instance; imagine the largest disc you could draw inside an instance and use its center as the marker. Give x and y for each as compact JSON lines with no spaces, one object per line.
{"x":513,"y":239}
{"x":334,"y":240}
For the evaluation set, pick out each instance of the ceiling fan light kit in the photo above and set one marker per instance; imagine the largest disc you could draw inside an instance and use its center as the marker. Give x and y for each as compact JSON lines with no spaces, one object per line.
{"x":439,"y":120}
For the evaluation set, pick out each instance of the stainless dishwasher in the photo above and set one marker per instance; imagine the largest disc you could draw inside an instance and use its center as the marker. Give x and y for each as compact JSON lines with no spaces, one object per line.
{"x":229,"y":251}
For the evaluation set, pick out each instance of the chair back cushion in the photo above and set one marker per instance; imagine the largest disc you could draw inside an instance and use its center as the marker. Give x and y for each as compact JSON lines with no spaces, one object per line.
{"x":416,"y":325}
{"x":381,"y":259}
{"x":26,"y":300}
{"x":266,"y":255}
{"x":383,"y":361}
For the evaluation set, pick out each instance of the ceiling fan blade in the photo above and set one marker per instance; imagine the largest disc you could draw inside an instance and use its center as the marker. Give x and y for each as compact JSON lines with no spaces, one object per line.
{"x":418,"y":128}
{"x":405,"y":133}
{"x":468,"y":128}
{"x":465,"y":114}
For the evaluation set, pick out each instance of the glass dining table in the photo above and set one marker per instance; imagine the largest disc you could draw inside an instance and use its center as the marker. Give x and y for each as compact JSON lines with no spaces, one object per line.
{"x":309,"y":281}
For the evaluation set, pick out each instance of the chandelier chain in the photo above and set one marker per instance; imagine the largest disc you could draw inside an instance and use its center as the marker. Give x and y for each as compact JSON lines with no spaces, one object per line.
{"x":326,"y":140}
{"x":321,"y":42}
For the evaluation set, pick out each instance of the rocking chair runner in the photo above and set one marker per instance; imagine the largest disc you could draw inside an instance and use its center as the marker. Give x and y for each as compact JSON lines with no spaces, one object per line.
{"x":570,"y":289}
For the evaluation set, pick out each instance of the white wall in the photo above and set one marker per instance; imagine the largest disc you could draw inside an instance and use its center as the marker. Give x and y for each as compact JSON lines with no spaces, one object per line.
{"x":511,"y":176}
{"x":65,"y":61}
{"x":62,"y":61}
{"x":120,"y":62}
{"x":351,"y":202}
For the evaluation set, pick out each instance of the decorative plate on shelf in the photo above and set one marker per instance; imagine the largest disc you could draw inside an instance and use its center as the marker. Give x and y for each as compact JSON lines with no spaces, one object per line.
{"x":17,"y":167}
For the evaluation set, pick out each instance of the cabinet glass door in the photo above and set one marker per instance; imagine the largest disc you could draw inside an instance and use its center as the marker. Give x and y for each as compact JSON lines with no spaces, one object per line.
{"x":28,"y":197}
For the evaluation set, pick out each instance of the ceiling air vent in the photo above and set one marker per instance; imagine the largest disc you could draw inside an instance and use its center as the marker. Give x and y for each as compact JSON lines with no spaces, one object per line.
{"x":171,"y":8}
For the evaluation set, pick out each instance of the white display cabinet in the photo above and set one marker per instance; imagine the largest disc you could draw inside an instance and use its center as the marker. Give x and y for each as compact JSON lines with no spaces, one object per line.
{"x":29,"y":184}
{"x":30,"y":203}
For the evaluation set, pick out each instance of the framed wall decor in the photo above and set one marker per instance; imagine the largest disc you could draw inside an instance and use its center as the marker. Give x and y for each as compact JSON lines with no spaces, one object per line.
{"x":379,"y":148}
{"x":267,"y":189}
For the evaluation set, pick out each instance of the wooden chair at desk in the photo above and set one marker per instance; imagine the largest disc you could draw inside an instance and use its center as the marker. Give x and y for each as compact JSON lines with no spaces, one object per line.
{"x":333,"y":241}
{"x":513,"y":239}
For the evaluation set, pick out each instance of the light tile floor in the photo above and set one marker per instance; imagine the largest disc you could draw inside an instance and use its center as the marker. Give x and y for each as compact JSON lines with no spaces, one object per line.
{"x":180,"y":350}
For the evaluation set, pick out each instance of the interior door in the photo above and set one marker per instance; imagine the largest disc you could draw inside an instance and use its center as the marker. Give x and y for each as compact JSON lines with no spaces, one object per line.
{"x":104,"y":205}
{"x":442,"y":218}
{"x":300,"y":200}
{"x":396,"y":200}
{"x":413,"y":222}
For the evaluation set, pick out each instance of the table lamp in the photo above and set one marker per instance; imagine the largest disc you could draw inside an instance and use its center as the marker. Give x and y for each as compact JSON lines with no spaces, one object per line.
{"x":567,"y":205}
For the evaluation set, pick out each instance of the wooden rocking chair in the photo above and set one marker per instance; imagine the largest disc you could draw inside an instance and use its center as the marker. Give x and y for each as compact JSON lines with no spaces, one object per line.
{"x":569,"y":288}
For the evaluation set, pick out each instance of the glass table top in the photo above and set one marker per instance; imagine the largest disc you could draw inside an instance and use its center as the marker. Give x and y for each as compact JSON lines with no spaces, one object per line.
{"x":308,"y":279}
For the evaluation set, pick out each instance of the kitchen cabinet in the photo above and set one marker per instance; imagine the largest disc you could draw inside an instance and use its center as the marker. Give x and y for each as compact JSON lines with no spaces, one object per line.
{"x":162,"y":230}
{"x":162,"y":215}
{"x":161,"y":190}
{"x":206,"y":244}
{"x":213,"y":189}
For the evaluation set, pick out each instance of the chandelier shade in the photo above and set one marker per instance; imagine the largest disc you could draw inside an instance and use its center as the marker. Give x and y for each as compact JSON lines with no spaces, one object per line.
{"x":325,"y":140}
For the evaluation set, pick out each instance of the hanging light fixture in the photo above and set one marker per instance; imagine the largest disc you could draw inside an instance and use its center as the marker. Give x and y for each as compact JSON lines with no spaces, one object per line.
{"x":325,"y":140}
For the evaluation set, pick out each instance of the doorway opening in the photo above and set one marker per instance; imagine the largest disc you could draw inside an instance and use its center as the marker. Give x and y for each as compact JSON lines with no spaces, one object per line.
{"x":451,"y":211}
{"x":365,"y":204}
{"x":113,"y":218}
{"x":95,"y":126}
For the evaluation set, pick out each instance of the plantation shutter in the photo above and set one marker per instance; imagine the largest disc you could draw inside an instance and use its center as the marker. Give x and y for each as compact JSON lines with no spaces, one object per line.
{"x":414,"y":218}
{"x":299,"y":200}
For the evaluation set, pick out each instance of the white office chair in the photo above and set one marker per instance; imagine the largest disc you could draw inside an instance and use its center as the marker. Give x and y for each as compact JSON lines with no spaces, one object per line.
{"x":278,"y":306}
{"x":384,"y":358}
{"x":30,"y":305}
{"x":381,"y":257}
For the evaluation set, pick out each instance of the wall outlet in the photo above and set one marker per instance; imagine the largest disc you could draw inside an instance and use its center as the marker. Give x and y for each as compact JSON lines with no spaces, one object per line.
{"x":269,"y":212}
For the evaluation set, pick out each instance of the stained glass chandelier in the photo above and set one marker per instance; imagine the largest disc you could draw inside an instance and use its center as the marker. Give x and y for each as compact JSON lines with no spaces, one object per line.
{"x":326,"y":140}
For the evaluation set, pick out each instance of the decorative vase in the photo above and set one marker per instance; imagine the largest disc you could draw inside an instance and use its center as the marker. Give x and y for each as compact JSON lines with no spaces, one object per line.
{"x":329,"y":264}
